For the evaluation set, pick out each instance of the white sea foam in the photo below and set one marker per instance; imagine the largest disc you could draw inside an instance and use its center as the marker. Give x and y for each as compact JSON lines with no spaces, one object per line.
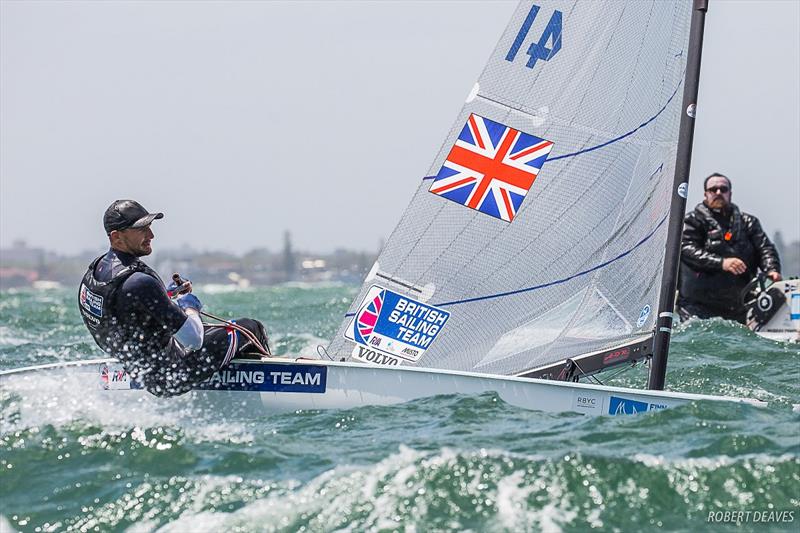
{"x":326,"y":498}
{"x":752,"y":391}
{"x":392,"y":494}
{"x":142,"y":526}
{"x":223,"y":288}
{"x":708,"y":463}
{"x":60,"y":399}
{"x":512,"y":491}
{"x":13,"y":341}
{"x":203,"y":522}
{"x":5,"y":525}
{"x":50,"y":398}
{"x":8,"y":337}
{"x":396,"y":492}
{"x":306,"y":285}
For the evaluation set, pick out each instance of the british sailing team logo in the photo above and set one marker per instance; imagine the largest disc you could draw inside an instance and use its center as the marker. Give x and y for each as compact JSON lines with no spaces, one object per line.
{"x":91,"y":302}
{"x":394,"y":325}
{"x":491,"y":167}
{"x":367,"y":317}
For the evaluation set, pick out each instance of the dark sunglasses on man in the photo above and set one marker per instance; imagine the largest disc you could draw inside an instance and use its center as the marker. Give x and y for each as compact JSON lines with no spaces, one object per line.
{"x":722,"y":189}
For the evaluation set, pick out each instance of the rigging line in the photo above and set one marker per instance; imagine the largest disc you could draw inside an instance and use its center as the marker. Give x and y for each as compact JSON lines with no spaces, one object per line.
{"x":563,"y":280}
{"x":619,"y":372}
{"x":321,"y":350}
{"x":244,"y":331}
{"x":612,"y":141}
{"x":584,"y":374}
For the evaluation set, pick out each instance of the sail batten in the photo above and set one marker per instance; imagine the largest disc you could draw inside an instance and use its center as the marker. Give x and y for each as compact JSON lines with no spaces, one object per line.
{"x":540,"y":226}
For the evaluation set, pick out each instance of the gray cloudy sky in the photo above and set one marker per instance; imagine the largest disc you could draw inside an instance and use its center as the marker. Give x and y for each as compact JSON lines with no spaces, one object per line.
{"x":240,"y":120}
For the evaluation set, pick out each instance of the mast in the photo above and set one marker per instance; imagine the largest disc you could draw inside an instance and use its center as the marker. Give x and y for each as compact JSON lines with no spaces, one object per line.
{"x":666,"y":300}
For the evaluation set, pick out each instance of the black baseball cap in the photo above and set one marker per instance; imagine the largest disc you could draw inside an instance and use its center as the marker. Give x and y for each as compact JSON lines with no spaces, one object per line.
{"x":124,"y":214}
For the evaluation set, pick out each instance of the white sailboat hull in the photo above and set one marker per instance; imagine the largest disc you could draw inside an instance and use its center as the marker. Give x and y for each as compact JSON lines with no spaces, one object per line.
{"x":281,"y":385}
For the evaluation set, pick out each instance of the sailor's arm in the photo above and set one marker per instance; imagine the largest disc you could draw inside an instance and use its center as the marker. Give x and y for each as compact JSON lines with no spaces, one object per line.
{"x":693,"y":252}
{"x":190,"y":336}
{"x":182,"y":321}
{"x":768,"y":259}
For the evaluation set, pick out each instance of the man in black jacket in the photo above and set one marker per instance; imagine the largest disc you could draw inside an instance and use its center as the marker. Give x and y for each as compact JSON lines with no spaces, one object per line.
{"x":161,"y":342}
{"x":722,"y":251}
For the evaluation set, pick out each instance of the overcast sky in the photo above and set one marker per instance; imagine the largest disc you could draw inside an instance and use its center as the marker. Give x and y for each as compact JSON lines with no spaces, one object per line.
{"x":241,"y":120}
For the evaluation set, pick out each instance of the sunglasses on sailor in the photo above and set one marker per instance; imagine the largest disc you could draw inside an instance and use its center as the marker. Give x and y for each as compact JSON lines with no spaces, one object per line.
{"x":722,"y":189}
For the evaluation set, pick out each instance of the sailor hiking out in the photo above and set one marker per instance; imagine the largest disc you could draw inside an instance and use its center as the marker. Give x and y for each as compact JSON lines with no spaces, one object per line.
{"x":129,"y":311}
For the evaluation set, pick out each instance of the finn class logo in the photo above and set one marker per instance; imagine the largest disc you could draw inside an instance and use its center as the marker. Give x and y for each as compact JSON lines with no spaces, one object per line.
{"x":643,"y":315}
{"x":628,"y":406}
{"x":491,"y":167}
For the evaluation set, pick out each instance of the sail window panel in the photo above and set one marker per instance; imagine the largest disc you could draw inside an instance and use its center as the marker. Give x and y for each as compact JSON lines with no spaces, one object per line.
{"x":540,"y":331}
{"x":599,"y":319}
{"x":468,"y":342}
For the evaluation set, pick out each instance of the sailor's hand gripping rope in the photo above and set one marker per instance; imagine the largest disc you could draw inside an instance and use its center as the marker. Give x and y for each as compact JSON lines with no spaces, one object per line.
{"x":183,"y":287}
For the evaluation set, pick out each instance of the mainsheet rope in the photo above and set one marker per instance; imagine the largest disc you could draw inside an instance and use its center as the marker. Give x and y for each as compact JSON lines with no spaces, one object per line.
{"x":244,"y":331}
{"x":224,"y":323}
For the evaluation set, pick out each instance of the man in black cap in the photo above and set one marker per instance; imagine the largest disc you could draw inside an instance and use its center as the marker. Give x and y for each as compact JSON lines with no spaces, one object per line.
{"x":128,"y":311}
{"x":722,"y":250}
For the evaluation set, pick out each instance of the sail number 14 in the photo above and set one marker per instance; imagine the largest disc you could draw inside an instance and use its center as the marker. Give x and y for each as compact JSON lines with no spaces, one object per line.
{"x":538,"y":50}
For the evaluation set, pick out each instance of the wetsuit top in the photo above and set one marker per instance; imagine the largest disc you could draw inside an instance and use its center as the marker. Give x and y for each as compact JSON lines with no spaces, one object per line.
{"x":709,"y":236}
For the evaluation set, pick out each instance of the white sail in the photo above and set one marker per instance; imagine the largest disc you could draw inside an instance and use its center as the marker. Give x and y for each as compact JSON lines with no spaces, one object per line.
{"x":538,"y":233}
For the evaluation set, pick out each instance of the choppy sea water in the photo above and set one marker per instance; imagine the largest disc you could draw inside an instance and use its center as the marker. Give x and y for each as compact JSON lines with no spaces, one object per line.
{"x":450,"y":463}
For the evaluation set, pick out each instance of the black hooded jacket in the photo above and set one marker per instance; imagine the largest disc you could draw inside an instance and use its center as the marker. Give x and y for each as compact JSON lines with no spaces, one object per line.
{"x":709,"y":237}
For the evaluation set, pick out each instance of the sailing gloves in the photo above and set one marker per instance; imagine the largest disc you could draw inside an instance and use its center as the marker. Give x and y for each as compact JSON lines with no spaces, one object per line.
{"x":189,"y":301}
{"x":174,"y":289}
{"x":181,"y":290}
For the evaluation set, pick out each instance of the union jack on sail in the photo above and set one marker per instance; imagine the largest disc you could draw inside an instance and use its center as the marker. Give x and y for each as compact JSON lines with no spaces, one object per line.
{"x":491,"y":167}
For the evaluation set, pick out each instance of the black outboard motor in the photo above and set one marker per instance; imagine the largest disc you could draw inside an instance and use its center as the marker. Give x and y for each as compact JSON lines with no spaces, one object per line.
{"x":761,"y":302}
